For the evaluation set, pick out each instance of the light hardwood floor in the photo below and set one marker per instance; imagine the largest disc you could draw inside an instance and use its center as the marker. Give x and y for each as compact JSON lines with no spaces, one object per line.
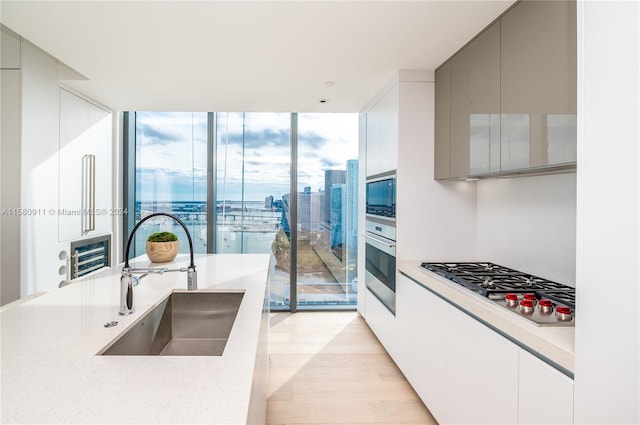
{"x":329,"y":368}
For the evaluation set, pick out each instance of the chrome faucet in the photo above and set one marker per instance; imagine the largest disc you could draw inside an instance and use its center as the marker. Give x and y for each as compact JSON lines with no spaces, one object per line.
{"x":127,"y":277}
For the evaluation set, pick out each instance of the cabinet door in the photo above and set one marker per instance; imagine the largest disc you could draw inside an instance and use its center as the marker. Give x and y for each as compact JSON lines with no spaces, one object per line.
{"x":442,"y":121}
{"x":9,"y":49}
{"x":423,"y":315}
{"x":383,"y":323}
{"x":482,"y":370}
{"x":475,"y":106}
{"x":545,"y":394}
{"x":538,"y":84}
{"x":382,"y":134}
{"x":85,"y":129}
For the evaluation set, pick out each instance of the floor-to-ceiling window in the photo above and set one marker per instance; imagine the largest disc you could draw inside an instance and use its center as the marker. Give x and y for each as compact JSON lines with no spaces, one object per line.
{"x":327,"y":183}
{"x":236,"y":169}
{"x":253,"y":160}
{"x":171,"y":175}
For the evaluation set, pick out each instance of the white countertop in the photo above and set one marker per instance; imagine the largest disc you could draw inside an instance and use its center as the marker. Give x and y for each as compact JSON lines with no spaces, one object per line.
{"x":553,"y":343}
{"x":51,"y":373}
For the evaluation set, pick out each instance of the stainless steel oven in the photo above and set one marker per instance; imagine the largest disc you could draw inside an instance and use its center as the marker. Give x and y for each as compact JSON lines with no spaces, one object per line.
{"x":380,"y":261}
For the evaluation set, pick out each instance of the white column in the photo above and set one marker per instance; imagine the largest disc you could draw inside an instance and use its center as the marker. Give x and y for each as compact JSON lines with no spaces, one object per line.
{"x":607,"y":381}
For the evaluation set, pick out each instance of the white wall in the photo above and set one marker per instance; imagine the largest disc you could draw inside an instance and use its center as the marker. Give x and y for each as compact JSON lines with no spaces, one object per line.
{"x":607,"y":371}
{"x":435,"y":219}
{"x":529,"y":224}
{"x":39,"y":185}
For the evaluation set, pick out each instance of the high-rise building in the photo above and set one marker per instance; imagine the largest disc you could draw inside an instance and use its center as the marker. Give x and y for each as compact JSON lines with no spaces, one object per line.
{"x":309,"y":210}
{"x":286,"y":217}
{"x":331,"y":177}
{"x":337,"y":219}
{"x":268,"y":202}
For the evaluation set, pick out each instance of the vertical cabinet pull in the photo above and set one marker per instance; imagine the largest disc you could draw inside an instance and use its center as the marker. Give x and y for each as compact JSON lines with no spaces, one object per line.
{"x":89,"y":193}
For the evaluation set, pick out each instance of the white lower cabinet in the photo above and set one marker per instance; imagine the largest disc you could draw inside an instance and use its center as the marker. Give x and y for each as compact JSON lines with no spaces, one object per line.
{"x":545,"y":394}
{"x":384,"y":325}
{"x":482,"y":374}
{"x":465,"y":372}
{"x":422,"y":314}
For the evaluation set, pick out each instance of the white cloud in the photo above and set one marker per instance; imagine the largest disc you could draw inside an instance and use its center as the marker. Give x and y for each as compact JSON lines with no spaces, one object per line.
{"x":178,"y":141}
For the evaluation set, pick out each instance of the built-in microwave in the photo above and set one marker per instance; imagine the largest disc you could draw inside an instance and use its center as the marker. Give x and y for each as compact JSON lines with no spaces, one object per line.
{"x":381,"y":196}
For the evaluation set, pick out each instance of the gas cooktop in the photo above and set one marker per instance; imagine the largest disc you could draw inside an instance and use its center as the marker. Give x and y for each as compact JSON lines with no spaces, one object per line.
{"x":539,"y":300}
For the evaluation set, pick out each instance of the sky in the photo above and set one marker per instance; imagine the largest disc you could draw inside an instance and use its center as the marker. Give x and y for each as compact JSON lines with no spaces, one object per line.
{"x":171,"y":153}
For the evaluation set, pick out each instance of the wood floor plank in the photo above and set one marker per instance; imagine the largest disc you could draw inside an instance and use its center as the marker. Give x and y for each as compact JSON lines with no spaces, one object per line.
{"x":329,"y":360}
{"x":329,"y":368}
{"x":319,"y":412}
{"x":353,"y":390}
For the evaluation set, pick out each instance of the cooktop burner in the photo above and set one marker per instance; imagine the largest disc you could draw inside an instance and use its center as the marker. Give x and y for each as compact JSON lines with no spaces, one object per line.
{"x":509,"y":288}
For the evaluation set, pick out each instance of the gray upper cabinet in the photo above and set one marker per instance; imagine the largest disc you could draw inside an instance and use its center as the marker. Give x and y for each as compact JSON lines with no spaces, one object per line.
{"x":9,"y":49}
{"x":475,"y":106}
{"x":538,"y":85}
{"x":442,"y":123}
{"x":509,"y":96}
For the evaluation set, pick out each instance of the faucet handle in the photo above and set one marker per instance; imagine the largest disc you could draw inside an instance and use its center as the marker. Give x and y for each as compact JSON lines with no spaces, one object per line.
{"x":126,"y":294}
{"x":192,"y":279}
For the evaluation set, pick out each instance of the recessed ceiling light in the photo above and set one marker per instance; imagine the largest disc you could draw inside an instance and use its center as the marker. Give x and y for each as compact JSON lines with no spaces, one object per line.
{"x":329,"y":83}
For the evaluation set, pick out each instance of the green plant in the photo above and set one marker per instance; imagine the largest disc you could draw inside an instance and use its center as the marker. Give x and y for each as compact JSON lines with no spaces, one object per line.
{"x":162,"y":237}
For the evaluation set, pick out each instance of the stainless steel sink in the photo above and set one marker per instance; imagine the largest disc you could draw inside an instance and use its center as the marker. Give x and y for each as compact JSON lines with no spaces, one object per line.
{"x":184,"y":324}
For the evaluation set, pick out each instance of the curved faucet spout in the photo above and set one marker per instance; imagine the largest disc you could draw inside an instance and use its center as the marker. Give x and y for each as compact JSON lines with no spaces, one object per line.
{"x":126,"y":278}
{"x":158,"y":214}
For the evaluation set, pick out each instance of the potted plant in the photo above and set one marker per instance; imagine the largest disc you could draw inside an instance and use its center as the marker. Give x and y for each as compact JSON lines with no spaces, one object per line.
{"x":162,"y":247}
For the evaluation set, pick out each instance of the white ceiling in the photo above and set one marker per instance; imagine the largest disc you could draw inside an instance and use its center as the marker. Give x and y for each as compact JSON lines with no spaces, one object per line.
{"x":245,"y":55}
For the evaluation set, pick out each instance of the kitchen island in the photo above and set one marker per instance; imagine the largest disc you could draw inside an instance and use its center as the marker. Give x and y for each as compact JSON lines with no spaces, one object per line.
{"x":52,"y":373}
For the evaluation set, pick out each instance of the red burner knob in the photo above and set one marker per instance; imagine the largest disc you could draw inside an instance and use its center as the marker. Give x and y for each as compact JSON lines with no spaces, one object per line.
{"x":564,"y":313}
{"x":546,"y":306}
{"x":511,"y":300}
{"x":526,"y":306}
{"x":530,"y":296}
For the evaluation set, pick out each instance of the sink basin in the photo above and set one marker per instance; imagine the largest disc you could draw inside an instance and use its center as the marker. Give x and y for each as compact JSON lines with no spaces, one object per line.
{"x":184,"y":324}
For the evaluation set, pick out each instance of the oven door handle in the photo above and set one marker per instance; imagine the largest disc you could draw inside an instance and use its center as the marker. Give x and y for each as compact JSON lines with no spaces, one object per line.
{"x":380,"y":241}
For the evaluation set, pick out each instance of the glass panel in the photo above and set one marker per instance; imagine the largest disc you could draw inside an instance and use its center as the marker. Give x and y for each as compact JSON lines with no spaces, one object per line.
{"x":327,"y":210}
{"x":561,"y":136}
{"x":515,"y":144}
{"x":484,"y":147}
{"x":171,"y":175}
{"x":253,"y":178}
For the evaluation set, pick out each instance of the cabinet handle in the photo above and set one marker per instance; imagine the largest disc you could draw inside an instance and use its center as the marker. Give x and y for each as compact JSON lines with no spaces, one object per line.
{"x":89,"y":198}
